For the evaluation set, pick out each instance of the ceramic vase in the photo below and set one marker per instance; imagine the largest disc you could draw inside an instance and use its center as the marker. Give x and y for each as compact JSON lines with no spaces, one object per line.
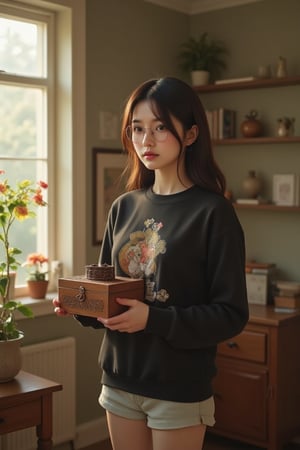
{"x":252,"y":185}
{"x":37,"y":289}
{"x":10,"y":358}
{"x":251,"y":128}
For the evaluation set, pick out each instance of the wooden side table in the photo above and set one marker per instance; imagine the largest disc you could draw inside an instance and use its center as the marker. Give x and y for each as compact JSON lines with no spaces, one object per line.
{"x":26,"y":402}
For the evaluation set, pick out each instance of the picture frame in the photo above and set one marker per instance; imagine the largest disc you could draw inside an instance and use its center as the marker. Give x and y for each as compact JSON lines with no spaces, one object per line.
{"x":257,"y":288}
{"x":107,"y":185}
{"x":286,"y":189}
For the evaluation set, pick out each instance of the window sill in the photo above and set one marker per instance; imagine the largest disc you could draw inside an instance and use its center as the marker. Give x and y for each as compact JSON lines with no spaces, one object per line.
{"x":39,"y":307}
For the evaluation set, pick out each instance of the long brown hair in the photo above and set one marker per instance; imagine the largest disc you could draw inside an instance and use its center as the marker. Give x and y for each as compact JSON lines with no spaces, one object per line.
{"x":173,"y":97}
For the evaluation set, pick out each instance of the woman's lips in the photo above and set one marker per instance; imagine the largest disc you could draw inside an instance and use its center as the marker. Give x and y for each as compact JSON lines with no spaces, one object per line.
{"x":149,"y":155}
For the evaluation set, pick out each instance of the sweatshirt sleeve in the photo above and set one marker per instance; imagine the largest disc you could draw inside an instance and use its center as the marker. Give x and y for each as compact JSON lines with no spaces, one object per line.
{"x":224,"y":311}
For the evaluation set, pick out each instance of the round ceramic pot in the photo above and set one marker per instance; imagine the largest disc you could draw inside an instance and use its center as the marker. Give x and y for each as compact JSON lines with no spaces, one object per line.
{"x":10,"y":358}
{"x":251,"y":128}
{"x":252,"y":185}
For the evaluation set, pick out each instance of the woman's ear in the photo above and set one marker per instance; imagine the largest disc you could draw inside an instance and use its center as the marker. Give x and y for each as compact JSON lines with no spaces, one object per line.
{"x":191,"y":135}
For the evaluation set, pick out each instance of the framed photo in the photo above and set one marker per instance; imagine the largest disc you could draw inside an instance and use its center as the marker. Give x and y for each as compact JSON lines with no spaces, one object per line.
{"x":257,"y":288}
{"x":286,"y":189}
{"x":108,"y":165}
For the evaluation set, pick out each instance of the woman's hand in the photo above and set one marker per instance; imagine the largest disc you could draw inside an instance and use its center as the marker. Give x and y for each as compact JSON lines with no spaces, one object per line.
{"x":59,"y":311}
{"x":130,"y":321}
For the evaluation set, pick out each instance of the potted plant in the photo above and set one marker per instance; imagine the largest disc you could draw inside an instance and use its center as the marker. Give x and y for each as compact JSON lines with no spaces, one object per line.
{"x":203,"y":58}
{"x":15,"y":204}
{"x":36,"y":281}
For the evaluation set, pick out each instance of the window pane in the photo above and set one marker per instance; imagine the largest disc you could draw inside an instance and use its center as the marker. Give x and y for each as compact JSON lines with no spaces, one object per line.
{"x":23,"y":235}
{"x":22,"y":132}
{"x":21,"y":47}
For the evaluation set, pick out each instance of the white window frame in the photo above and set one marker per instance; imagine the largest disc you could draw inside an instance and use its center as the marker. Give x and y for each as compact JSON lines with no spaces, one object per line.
{"x":46,"y":83}
{"x":67,"y":172}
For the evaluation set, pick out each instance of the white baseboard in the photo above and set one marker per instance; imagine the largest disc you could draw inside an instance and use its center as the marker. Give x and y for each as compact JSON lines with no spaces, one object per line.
{"x":91,"y":432}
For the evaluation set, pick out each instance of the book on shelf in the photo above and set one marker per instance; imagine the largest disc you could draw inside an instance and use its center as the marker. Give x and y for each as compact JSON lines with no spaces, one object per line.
{"x":259,"y":265}
{"x":261,"y":268}
{"x":287,"y":302}
{"x":286,"y":292}
{"x":235,"y":80}
{"x":251,"y":201}
{"x":279,"y":309}
{"x":226,"y":123}
{"x":291,"y":286}
{"x":209,"y":118}
{"x":215,"y":123}
{"x":221,"y":123}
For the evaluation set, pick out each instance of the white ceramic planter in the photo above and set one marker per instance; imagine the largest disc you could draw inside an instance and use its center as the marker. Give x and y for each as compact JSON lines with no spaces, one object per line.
{"x":10,"y":358}
{"x":199,"y":77}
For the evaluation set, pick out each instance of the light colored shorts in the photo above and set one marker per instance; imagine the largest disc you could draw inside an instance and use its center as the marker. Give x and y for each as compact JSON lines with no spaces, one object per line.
{"x":159,"y":414}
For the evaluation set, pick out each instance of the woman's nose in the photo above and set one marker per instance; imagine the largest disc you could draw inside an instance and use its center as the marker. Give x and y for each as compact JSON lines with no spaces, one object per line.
{"x":148,"y":136}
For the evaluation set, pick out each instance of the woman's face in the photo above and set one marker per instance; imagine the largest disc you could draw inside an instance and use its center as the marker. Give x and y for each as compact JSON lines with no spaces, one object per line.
{"x":156,"y":147}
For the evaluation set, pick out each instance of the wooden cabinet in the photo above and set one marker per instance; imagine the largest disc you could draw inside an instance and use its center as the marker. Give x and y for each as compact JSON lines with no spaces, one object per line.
{"x":257,"y":387}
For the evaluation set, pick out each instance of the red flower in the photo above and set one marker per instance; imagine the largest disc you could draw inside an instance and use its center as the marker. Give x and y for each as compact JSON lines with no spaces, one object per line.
{"x":43,"y":184}
{"x":38,"y":199}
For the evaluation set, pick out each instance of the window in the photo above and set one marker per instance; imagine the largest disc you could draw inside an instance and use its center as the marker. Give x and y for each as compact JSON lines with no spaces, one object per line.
{"x":26,"y":119}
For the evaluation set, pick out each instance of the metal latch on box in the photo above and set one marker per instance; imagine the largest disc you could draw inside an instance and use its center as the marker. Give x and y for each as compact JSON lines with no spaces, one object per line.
{"x":81,"y":296}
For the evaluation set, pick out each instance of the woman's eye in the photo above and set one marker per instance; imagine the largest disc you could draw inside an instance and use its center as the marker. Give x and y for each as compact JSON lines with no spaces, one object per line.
{"x":161,"y":127}
{"x":137,"y":129}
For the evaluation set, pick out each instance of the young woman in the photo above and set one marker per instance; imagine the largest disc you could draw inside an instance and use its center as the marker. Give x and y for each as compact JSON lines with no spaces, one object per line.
{"x":175,"y":229}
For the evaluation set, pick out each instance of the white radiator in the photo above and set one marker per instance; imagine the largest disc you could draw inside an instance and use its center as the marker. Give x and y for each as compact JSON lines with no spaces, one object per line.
{"x":54,"y":360}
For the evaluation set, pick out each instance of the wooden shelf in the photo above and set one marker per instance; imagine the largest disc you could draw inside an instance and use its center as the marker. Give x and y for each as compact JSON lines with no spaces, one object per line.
{"x":258,"y":140}
{"x":267,"y":207}
{"x":255,"y":84}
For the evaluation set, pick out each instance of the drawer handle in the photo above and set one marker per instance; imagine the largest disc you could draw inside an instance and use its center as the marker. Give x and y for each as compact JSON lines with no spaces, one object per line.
{"x":232,"y":344}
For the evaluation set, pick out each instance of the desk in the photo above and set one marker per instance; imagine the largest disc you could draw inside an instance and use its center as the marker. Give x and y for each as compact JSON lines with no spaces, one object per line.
{"x":26,"y":402}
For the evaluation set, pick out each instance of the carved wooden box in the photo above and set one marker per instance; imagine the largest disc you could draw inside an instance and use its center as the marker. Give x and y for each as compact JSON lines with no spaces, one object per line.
{"x":96,"y":298}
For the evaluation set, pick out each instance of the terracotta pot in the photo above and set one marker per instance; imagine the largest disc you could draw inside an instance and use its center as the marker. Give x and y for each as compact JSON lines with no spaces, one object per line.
{"x":251,"y":128}
{"x":37,"y":289}
{"x":10,"y":358}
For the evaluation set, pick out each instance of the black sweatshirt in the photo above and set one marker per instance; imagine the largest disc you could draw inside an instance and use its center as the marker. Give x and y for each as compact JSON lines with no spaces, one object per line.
{"x":189,"y":248}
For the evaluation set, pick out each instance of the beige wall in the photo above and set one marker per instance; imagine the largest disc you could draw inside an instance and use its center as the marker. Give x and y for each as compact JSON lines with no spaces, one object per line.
{"x":257,"y":34}
{"x":127,"y":42}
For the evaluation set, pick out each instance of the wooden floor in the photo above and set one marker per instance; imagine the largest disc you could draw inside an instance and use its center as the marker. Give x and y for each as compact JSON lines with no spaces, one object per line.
{"x":211,"y":443}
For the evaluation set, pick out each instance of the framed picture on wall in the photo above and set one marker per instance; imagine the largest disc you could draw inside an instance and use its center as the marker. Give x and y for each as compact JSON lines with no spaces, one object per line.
{"x":286,"y":189}
{"x":107,"y":185}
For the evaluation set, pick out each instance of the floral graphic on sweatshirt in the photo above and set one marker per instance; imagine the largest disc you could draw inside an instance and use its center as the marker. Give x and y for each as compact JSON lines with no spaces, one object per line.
{"x":138,"y":256}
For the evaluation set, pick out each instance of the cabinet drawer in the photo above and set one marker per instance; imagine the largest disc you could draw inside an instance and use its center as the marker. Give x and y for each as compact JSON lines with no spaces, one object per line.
{"x":248,"y":345}
{"x":20,"y":416}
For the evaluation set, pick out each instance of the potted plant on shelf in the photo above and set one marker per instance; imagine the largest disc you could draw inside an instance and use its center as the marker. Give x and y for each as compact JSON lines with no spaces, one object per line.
{"x":15,"y":204}
{"x":204,"y":58}
{"x":36,"y":281}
